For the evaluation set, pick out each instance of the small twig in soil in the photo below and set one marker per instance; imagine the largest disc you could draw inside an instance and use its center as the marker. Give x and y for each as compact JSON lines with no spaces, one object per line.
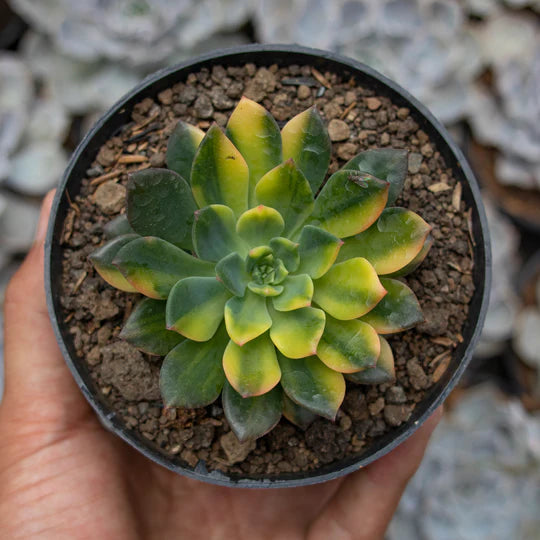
{"x":104,"y":177}
{"x":127,"y":158}
{"x":442,"y":367}
{"x":137,"y":127}
{"x":348,"y":110}
{"x":456,"y":197}
{"x":470,"y":225}
{"x":457,"y":268}
{"x":75,"y":207}
{"x":145,"y":166}
{"x":444,"y":341}
{"x":138,"y":136}
{"x":68,"y":226}
{"x":320,"y":77}
{"x":79,"y":282}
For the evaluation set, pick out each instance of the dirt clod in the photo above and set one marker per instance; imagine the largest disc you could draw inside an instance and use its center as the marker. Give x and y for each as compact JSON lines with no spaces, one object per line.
{"x":124,"y":368}
{"x":235,"y":451}
{"x":338,"y":130}
{"x":110,"y":197}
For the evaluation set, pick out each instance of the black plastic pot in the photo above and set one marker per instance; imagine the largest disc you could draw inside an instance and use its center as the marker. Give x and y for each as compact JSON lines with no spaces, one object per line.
{"x":262,"y":55}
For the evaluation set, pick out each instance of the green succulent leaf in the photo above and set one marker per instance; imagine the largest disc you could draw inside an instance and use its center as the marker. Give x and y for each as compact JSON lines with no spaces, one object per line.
{"x":160,"y":203}
{"x":297,"y":293}
{"x":182,"y":147}
{"x":220,"y":174}
{"x":318,"y":250}
{"x":391,"y":243}
{"x":153,"y":266}
{"x":349,"y":289}
{"x":287,"y":251}
{"x":305,"y":139}
{"x":399,"y":309}
{"x":296,"y":414}
{"x":256,"y":255}
{"x":312,"y":385}
{"x":195,"y":307}
{"x":388,"y":164}
{"x":253,"y":369}
{"x":280,"y":272}
{"x":383,"y":372}
{"x":102,"y":260}
{"x":246,"y":318}
{"x":349,"y":203}
{"x":146,"y":328}
{"x":296,"y":333}
{"x":416,"y":262}
{"x":214,"y":233}
{"x":265,"y":290}
{"x":119,"y":226}
{"x":192,"y":373}
{"x":259,"y":225}
{"x":255,"y":133}
{"x":231,"y":271}
{"x":348,"y":346}
{"x":251,"y":417}
{"x":286,"y":189}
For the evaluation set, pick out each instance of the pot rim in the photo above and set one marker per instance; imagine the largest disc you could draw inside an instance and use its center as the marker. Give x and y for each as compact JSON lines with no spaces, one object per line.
{"x":336,"y":469}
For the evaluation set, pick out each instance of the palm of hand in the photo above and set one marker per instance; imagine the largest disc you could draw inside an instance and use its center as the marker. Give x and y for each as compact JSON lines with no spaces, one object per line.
{"x":63,"y":476}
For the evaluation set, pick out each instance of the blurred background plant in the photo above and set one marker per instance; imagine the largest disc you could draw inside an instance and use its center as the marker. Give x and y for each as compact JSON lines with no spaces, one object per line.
{"x":474,"y":63}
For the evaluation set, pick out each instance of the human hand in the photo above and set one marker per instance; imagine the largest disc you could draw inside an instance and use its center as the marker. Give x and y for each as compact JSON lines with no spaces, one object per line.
{"x":62,"y":475}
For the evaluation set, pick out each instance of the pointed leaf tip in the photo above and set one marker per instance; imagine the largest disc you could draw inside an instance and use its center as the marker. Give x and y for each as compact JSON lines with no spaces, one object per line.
{"x":102,"y":260}
{"x":398,"y":310}
{"x":195,"y":307}
{"x":311,"y":384}
{"x":387,"y":164}
{"x":247,"y":377}
{"x":306,"y":140}
{"x":214,"y":233}
{"x":153,"y":266}
{"x":286,"y":189}
{"x":391,"y":243}
{"x":251,"y":417}
{"x":383,"y":372}
{"x":220,"y":174}
{"x":349,"y":203}
{"x":192,"y":373}
{"x":255,"y":133}
{"x":182,"y":147}
{"x":349,"y":289}
{"x":160,"y":204}
{"x":146,"y":328}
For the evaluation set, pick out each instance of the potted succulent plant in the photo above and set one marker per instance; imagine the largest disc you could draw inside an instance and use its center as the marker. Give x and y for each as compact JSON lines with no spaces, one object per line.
{"x":269,"y":282}
{"x":236,"y":315}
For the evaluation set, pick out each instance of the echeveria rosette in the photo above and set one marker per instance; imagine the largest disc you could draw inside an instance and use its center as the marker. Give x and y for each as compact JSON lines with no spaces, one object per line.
{"x":261,"y":288}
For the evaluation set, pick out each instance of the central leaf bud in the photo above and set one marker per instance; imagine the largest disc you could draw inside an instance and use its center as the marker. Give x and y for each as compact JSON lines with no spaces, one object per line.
{"x":264,"y":271}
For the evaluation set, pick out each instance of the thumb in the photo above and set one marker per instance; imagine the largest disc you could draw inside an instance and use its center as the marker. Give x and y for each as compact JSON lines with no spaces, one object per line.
{"x":38,"y":386}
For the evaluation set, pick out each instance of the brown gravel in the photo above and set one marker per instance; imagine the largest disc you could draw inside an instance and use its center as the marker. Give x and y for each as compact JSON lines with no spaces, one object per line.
{"x":443,"y":284}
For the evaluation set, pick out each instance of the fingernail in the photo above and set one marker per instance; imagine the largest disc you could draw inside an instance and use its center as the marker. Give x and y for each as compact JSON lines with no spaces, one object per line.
{"x":41,"y":230}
